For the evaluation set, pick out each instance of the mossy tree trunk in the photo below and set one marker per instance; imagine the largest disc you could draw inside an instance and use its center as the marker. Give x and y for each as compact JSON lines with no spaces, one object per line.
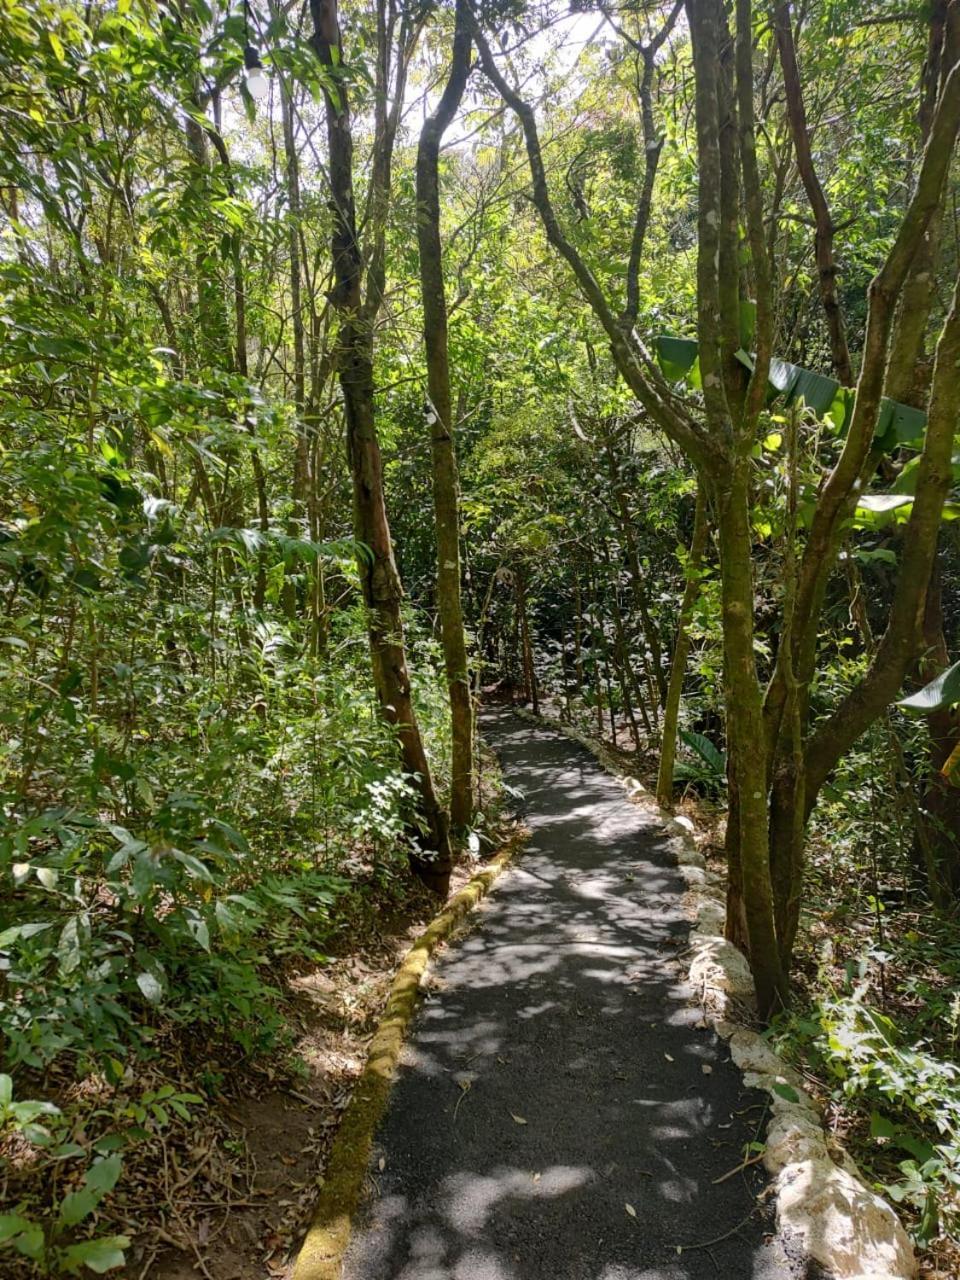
{"x":439,"y":418}
{"x":777,"y":761}
{"x":357,"y":309}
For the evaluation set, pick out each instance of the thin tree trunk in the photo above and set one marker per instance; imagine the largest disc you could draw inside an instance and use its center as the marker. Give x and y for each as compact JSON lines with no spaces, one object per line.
{"x":578,"y":632}
{"x":621,"y":654}
{"x":826,"y":260}
{"x":750,"y":895}
{"x":526,"y":647}
{"x":681,"y":651}
{"x":439,"y":417}
{"x":379,"y":579}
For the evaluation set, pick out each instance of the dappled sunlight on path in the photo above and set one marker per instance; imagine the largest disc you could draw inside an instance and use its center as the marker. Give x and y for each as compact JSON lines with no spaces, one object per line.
{"x":561,"y":1113}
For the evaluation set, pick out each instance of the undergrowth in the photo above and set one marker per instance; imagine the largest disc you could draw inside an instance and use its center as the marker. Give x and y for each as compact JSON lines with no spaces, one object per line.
{"x":876,"y":1015}
{"x":161,"y":871}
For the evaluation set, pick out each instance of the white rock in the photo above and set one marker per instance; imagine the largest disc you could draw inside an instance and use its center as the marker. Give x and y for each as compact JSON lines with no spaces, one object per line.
{"x":841,"y":1223}
{"x":752,"y":1053}
{"x":720,"y":973}
{"x":842,"y":1158}
{"x":794,"y":1134}
{"x":695,"y":877}
{"x":687,"y":855}
{"x":778,"y":1086}
{"x":710,"y":916}
{"x":684,"y":823}
{"x":778,"y":1103}
{"x":712,"y":891}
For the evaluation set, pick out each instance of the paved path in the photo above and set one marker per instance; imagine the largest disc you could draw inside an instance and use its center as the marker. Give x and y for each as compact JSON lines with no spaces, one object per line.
{"x":557,"y":1073}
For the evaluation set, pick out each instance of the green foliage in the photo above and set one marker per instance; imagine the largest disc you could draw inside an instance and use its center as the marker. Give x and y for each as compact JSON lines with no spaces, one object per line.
{"x":941,"y":692}
{"x":705,"y":767}
{"x":48,"y":1240}
{"x":912,"y":1097}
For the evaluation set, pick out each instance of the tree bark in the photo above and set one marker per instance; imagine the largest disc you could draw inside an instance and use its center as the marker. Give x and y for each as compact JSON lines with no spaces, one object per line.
{"x":439,"y":417}
{"x":826,"y":259}
{"x":379,"y":578}
{"x":526,"y":646}
{"x":681,"y":652}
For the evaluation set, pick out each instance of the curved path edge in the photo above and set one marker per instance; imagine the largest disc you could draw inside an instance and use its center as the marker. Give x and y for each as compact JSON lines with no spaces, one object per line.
{"x":824,"y":1204}
{"x":321,"y":1254}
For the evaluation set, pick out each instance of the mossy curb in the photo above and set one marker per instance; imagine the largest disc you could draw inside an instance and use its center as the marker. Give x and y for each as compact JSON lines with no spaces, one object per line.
{"x":321,"y":1254}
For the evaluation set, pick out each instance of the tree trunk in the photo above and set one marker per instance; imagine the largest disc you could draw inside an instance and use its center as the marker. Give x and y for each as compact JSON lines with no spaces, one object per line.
{"x":439,"y":417}
{"x":681,"y":651}
{"x":937,"y":821}
{"x":752,"y":898}
{"x":379,"y":579}
{"x":526,"y":648}
{"x":826,"y":262}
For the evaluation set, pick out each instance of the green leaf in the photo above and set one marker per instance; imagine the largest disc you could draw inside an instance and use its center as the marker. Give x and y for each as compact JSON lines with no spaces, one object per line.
{"x":877,"y":509}
{"x":6,"y":1090}
{"x":783,"y":376}
{"x":48,"y":877}
{"x":942,"y":692}
{"x":31,"y":1242}
{"x":77,"y":1205}
{"x":100,"y":1255}
{"x":930,"y":1219}
{"x":814,"y":390}
{"x":677,"y":356}
{"x":907,"y":424}
{"x":150,"y":987}
{"x":705,"y":749}
{"x":68,"y":947}
{"x":103,"y":1174}
{"x":23,"y":931}
{"x":11,"y":1224}
{"x":881,"y":1127}
{"x":194,"y":866}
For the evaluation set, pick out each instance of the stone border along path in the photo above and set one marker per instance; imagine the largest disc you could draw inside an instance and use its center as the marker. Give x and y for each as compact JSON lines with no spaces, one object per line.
{"x":562,"y":1109}
{"x":460,"y":1196}
{"x":823,"y":1202}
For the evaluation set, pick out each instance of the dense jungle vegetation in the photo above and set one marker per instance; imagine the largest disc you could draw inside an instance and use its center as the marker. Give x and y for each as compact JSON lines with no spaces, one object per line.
{"x":362,"y":363}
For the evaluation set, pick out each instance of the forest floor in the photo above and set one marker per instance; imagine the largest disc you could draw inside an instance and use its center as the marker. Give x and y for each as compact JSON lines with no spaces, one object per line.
{"x":562,"y":1111}
{"x":223,"y":1183}
{"x":257,"y":1157}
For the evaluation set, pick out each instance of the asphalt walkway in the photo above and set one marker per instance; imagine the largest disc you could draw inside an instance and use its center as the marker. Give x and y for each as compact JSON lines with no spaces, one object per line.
{"x":561,"y":1112}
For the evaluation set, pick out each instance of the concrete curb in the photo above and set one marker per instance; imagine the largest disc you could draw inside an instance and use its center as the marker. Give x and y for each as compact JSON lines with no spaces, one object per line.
{"x":824,"y":1205}
{"x":322,"y":1252}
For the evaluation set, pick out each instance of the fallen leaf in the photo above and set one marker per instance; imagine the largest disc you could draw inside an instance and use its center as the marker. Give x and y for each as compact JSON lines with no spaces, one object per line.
{"x":381,"y":1164}
{"x":668,"y":1058}
{"x":631,"y":1210}
{"x":536,"y":1177}
{"x":518,"y":1119}
{"x":706,"y":1069}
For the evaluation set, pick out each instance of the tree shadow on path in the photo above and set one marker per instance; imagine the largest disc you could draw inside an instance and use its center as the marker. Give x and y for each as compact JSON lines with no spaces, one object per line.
{"x":560,"y":1113}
